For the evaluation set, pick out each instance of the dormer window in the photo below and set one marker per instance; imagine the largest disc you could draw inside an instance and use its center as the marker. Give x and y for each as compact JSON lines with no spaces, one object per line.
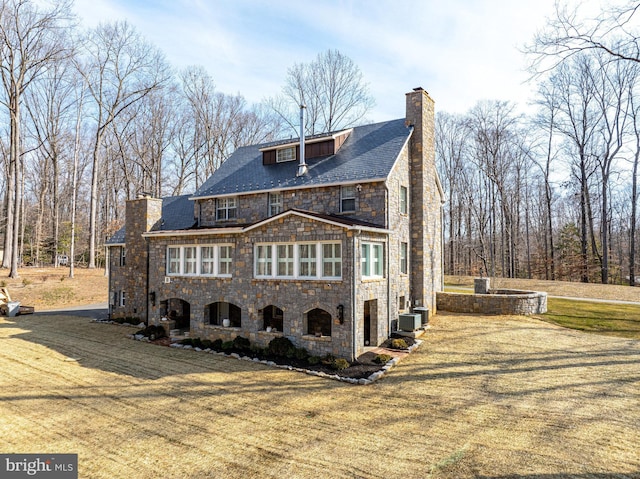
{"x":286,"y":154}
{"x":226,"y":209}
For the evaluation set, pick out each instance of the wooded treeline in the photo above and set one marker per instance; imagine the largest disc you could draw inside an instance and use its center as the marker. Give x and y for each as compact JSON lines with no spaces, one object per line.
{"x":552,"y":194}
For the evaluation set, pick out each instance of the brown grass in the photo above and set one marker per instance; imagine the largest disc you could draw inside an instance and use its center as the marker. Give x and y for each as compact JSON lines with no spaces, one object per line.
{"x":484,"y":397}
{"x":51,"y":288}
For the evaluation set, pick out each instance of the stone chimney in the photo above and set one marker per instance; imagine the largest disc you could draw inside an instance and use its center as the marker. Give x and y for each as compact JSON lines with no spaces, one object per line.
{"x":142,"y":215}
{"x":425,"y":201}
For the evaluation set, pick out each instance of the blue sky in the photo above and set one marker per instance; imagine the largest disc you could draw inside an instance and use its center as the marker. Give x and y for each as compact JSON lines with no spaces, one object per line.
{"x":460,"y":51}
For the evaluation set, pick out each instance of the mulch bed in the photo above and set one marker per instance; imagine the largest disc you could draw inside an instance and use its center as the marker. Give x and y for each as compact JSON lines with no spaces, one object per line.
{"x":363,"y":367}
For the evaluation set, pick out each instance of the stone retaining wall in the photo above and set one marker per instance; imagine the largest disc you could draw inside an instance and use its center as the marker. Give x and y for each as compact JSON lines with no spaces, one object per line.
{"x":497,"y":302}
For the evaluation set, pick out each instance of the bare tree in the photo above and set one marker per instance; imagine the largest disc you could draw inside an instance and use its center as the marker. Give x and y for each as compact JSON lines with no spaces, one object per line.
{"x":31,"y":38}
{"x":332,"y":88}
{"x":120,"y":68}
{"x":614,"y":32}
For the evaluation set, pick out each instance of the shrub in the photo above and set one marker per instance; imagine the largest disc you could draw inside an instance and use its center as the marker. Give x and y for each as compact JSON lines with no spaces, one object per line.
{"x":382,"y":359}
{"x":280,"y":346}
{"x":291,"y":352}
{"x":26,"y":282}
{"x":197,"y":343}
{"x":313,"y":360}
{"x":3,"y":284}
{"x":206,"y":344}
{"x":227,"y":346}
{"x":328,"y":359}
{"x":340,"y":364}
{"x":243,"y":344}
{"x":216,"y":344}
{"x":301,"y":354}
{"x":187,"y":341}
{"x":62,"y":278}
{"x":399,"y":344}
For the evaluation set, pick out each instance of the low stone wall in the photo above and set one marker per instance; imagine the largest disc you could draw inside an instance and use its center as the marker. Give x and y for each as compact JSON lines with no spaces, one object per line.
{"x":501,"y":301}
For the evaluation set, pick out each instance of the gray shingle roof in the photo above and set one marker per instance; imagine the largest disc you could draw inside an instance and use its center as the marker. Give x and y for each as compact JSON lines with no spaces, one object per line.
{"x":177,"y":214}
{"x":368,"y":153}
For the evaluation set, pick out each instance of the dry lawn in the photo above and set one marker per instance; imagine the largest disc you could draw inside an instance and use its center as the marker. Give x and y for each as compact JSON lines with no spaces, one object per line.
{"x":51,"y":288}
{"x":492,"y":397}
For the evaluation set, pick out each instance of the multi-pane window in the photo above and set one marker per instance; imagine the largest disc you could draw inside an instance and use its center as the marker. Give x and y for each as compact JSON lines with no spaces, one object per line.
{"x":404,"y":200}
{"x":307,"y":260}
{"x":275,"y":203}
{"x":123,"y":256}
{"x":372,"y":260}
{"x":404,"y":252}
{"x":347,"y":198}
{"x":285,"y":259}
{"x":298,"y":260}
{"x":207,"y":260}
{"x":286,"y":154}
{"x":174,"y":260}
{"x":264,"y":260}
{"x":224,"y":260}
{"x":123,"y":300}
{"x":190,"y":260}
{"x":226,"y":208}
{"x":331,"y":260}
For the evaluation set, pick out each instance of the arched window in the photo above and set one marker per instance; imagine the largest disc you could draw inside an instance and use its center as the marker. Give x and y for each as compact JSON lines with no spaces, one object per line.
{"x":217,"y":312}
{"x":272,"y":317}
{"x":319,"y":322}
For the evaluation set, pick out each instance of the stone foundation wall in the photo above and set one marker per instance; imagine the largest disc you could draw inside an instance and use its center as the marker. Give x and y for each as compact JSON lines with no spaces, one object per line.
{"x":498,"y":302}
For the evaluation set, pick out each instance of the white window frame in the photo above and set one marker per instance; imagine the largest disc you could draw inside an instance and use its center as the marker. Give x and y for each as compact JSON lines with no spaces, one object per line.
{"x":123,"y":300}
{"x":347,"y":193}
{"x":333,"y":260}
{"x":190,"y":263}
{"x":174,"y":261}
{"x":263,"y":254}
{"x":123,"y":256}
{"x":226,"y":208}
{"x":372,"y":260}
{"x":209,"y":261}
{"x":224,"y":262}
{"x":310,"y":260}
{"x":286,"y":154}
{"x":404,"y":257}
{"x":275,"y":203}
{"x":404,"y":200}
{"x":182,"y":261}
{"x":268,"y":260}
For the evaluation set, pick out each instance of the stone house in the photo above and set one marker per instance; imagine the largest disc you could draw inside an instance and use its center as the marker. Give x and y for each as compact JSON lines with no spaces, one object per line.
{"x":327,"y":251}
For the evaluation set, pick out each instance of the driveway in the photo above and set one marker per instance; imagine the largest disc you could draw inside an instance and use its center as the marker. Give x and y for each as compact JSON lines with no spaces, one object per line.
{"x":483,"y":397}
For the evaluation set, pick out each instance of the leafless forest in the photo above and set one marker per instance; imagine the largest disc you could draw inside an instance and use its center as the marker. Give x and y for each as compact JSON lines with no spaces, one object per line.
{"x":91,"y":117}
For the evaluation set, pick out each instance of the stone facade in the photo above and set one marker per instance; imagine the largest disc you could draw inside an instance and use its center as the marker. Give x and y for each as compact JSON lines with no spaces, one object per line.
{"x":370,"y":204}
{"x":498,"y":302}
{"x":401,"y":215}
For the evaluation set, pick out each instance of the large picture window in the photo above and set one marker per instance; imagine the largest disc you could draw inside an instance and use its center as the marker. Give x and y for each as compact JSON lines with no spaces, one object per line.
{"x":372,"y":260}
{"x":298,"y":260}
{"x":206,"y":260}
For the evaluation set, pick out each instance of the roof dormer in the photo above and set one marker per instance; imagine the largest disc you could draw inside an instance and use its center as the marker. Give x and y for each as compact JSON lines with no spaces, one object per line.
{"x":316,"y":146}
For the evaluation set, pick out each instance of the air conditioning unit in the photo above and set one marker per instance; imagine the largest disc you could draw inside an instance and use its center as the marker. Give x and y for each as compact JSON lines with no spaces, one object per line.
{"x":409,"y":322}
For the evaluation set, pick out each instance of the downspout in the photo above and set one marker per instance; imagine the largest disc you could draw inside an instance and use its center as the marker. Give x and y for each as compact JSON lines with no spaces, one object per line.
{"x":388,"y":226}
{"x":147,"y":284}
{"x":109,"y":293}
{"x":354,"y":309}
